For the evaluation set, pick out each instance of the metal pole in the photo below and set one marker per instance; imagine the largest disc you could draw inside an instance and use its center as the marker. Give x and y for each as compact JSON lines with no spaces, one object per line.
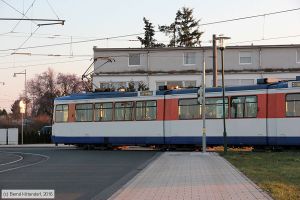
{"x":223,"y":96}
{"x":215,"y":65}
{"x":22,"y":129}
{"x":203,"y":109}
{"x":25,"y":91}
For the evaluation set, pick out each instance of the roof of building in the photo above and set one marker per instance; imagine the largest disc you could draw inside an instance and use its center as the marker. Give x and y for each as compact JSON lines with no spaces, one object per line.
{"x":196,"y":48}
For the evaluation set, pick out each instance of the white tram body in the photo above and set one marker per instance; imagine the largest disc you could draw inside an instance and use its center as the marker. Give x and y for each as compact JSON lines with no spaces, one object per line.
{"x":263,"y":114}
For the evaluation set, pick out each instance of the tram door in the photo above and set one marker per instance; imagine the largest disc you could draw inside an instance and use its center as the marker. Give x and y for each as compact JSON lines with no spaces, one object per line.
{"x":275,"y":116}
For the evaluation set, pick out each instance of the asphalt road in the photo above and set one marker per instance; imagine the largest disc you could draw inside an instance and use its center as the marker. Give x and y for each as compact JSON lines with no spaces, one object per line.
{"x":72,"y":173}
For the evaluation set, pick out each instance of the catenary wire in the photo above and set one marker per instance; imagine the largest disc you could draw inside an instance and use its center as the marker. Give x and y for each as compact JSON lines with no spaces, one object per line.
{"x":16,"y":10}
{"x":27,"y":66}
{"x":136,"y":34}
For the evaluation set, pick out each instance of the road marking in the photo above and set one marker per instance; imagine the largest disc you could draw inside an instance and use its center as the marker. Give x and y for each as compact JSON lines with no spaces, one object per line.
{"x":28,"y":165}
{"x":20,"y":158}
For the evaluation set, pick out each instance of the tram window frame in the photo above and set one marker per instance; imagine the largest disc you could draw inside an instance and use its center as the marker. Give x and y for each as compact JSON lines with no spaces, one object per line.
{"x":218,"y":104}
{"x":91,"y":115}
{"x":286,"y":105}
{"x":186,"y":117}
{"x":144,"y":107}
{"x":63,"y":110}
{"x":131,"y":111}
{"x":105,"y":109}
{"x":244,"y":103}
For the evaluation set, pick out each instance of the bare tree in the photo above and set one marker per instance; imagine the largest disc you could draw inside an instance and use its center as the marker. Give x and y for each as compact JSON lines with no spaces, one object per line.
{"x":43,"y":90}
{"x":69,"y":83}
{"x":45,"y":87}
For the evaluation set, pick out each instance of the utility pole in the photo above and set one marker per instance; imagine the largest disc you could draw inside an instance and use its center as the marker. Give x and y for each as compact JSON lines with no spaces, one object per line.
{"x":201,"y":101}
{"x":203,"y":108}
{"x":22,"y":106}
{"x":222,"y":46}
{"x":215,"y":64}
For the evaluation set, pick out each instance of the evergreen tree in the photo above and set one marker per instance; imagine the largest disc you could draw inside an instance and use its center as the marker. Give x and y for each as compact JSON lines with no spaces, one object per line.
{"x":148,"y":41}
{"x":3,"y":112}
{"x":170,"y":30}
{"x":184,"y":31}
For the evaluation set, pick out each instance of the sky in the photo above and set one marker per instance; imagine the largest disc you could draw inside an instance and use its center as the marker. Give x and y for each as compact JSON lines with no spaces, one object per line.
{"x":99,"y":19}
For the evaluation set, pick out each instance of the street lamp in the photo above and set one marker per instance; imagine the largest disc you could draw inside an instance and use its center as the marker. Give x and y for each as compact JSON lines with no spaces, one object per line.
{"x":22,"y":106}
{"x":222,"y":46}
{"x":25,"y":90}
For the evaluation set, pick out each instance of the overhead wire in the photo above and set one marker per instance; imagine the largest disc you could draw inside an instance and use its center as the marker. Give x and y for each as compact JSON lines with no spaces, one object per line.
{"x":52,"y":9}
{"x":23,"y":15}
{"x":26,"y":40}
{"x":271,"y":38}
{"x":136,"y":34}
{"x":16,"y":10}
{"x":249,"y":17}
{"x":51,"y":58}
{"x":75,"y":42}
{"x":51,"y":63}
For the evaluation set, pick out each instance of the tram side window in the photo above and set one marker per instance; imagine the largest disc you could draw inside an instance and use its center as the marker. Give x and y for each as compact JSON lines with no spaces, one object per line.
{"x":84,"y":112}
{"x":243,"y":106}
{"x":103,"y":111}
{"x":61,"y":113}
{"x":123,"y":111}
{"x":189,"y":109}
{"x":214,"y":108}
{"x":292,"y":105}
{"x":145,"y":110}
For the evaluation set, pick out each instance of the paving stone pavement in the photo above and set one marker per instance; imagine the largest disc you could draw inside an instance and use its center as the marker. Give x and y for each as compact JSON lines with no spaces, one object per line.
{"x":190,"y":176}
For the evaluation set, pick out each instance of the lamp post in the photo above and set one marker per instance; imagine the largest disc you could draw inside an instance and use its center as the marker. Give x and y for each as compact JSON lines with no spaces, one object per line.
{"x":22,"y":105}
{"x":25,"y":89}
{"x":222,"y":46}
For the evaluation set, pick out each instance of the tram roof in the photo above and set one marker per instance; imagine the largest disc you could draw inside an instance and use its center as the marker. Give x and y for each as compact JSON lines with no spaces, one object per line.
{"x":97,"y":95}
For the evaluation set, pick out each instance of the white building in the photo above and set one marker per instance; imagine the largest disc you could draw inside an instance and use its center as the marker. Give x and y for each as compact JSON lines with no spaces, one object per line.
{"x":183,"y":66}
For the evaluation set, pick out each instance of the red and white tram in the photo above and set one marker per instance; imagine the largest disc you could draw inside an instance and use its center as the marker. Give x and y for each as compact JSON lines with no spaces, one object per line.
{"x":262,"y":114}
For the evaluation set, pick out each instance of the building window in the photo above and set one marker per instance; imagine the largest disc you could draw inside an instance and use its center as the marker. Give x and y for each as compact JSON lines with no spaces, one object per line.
{"x":189,"y":58}
{"x":189,"y":84}
{"x":189,"y":109}
{"x":214,"y":108}
{"x":84,"y":112}
{"x":103,"y":111}
{"x":160,"y":83}
{"x":145,"y":110}
{"x":243,"y":107}
{"x":61,"y":113}
{"x":292,"y":105}
{"x":113,"y":85}
{"x":174,"y":84}
{"x":245,"y":57}
{"x":298,"y":55}
{"x":134,"y":59}
{"x":236,"y":82}
{"x":105,"y":85}
{"x":123,"y":111}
